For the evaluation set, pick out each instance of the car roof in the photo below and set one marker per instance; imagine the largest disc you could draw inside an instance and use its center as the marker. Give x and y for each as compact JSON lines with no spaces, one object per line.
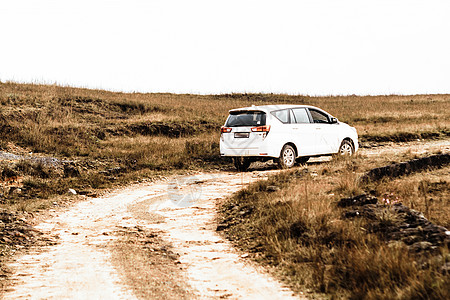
{"x":269,"y":108}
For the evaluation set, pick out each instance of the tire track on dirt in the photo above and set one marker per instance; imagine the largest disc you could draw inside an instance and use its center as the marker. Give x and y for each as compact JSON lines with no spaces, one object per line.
{"x":79,"y":266}
{"x":214,"y":268}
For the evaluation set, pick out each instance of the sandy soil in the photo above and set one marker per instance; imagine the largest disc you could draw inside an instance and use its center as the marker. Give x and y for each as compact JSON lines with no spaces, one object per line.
{"x":182,"y":211}
{"x":418,"y":147}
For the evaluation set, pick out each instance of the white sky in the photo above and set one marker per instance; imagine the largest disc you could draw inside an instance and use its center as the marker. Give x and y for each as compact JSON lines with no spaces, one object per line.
{"x":317,"y":47}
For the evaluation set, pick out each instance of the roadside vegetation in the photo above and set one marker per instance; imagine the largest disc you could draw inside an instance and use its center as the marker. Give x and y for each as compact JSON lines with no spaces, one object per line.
{"x":85,"y":140}
{"x":292,"y":223}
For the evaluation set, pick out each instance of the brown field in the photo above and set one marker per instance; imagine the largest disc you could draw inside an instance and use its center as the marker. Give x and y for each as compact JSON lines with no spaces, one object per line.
{"x":299,"y":232}
{"x":110,"y":139}
{"x":150,"y":134}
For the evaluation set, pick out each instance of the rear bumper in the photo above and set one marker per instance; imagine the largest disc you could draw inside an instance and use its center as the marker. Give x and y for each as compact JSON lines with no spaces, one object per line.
{"x":261,"y":151}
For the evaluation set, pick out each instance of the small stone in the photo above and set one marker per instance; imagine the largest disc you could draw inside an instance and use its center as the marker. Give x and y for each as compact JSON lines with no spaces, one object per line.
{"x":420,"y":246}
{"x":221,"y":227}
{"x":395,"y":244}
{"x":72,"y":192}
{"x":71,"y":171}
{"x":14,"y":190}
{"x":359,"y":200}
{"x":19,"y":234}
{"x":272,"y":188}
{"x":446,"y":268}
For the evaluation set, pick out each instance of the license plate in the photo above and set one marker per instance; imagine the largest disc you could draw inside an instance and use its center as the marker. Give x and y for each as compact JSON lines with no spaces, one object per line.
{"x":240,"y":135}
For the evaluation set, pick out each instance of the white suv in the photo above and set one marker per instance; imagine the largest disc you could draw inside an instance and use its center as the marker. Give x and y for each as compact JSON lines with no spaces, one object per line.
{"x":288,"y":133}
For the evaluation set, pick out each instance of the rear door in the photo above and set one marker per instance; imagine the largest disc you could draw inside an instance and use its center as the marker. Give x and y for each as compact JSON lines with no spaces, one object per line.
{"x":303,"y":132}
{"x":282,"y":132}
{"x":297,"y":128}
{"x":241,"y":136}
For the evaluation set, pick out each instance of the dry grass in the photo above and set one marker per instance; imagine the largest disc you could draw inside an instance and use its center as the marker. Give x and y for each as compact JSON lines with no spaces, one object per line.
{"x":147,"y":135}
{"x":428,"y":192}
{"x":298,"y":228}
{"x":74,"y":122}
{"x":300,"y":232}
{"x":79,"y":117}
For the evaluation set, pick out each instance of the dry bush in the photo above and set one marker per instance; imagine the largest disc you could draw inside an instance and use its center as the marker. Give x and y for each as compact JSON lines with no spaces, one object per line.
{"x":299,"y":231}
{"x":428,"y":192}
{"x":388,"y":272}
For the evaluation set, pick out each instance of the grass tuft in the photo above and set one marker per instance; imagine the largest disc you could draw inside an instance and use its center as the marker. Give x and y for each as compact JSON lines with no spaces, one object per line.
{"x":300,"y":232}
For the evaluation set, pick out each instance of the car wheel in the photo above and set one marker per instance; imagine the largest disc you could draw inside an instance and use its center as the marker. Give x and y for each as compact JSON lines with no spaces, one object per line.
{"x":241,"y":163}
{"x":287,"y":157}
{"x":303,"y":160}
{"x":346,"y":148}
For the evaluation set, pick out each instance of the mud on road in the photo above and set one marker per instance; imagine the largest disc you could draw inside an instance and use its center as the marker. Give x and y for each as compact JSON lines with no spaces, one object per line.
{"x":155,"y":240}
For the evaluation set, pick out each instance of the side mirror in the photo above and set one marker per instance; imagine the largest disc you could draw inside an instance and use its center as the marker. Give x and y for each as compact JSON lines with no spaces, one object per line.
{"x":333,"y":120}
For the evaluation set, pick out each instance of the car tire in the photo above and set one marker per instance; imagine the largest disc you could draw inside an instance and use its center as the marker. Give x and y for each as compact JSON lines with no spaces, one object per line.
{"x":302,"y":160}
{"x":241,"y":163}
{"x":346,"y":148}
{"x":287,"y":157}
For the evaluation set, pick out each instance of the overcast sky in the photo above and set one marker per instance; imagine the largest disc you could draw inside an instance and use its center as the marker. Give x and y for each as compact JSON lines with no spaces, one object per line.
{"x":317,"y":47}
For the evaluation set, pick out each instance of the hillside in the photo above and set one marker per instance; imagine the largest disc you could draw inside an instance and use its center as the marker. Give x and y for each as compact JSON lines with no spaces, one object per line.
{"x":60,"y":144}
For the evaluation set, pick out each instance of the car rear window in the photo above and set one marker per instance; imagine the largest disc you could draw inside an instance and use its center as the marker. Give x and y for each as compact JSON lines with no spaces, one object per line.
{"x":282,"y":115}
{"x":246,"y":118}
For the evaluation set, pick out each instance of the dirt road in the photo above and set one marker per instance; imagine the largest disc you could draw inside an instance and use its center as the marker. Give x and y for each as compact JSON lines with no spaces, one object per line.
{"x":181,"y":211}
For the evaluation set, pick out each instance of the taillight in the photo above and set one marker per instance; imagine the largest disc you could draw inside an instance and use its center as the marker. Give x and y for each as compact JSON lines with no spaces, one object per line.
{"x":224,"y":129}
{"x":265,"y":128}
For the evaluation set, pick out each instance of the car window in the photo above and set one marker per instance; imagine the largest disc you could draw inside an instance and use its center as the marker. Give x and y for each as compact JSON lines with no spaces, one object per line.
{"x":246,"y":118}
{"x":282,"y":115}
{"x":318,"y":116}
{"x":301,"y":116}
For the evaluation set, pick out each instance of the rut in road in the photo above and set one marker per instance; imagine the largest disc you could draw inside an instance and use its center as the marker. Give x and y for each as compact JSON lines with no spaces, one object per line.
{"x":79,"y":266}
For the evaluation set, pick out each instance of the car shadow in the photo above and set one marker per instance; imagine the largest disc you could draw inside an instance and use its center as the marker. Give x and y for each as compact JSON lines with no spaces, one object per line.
{"x":271,"y":165}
